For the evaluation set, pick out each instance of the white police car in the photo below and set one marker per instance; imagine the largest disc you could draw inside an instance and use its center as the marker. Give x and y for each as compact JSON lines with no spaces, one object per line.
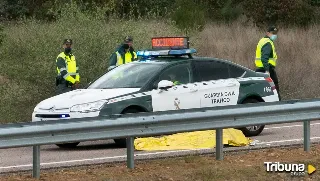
{"x":190,"y":82}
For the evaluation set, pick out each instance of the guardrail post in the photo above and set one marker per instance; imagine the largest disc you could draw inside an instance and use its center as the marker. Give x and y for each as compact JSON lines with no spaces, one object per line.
{"x":306,"y":135}
{"x":36,"y":162}
{"x":219,"y":144}
{"x":130,"y":152}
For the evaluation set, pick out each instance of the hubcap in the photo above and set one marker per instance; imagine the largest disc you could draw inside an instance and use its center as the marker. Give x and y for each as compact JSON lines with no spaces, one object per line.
{"x":253,"y":128}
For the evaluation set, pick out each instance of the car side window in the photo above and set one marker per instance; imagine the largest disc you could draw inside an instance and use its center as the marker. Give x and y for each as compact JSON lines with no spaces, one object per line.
{"x":210,"y":70}
{"x":180,"y":73}
{"x":235,"y":71}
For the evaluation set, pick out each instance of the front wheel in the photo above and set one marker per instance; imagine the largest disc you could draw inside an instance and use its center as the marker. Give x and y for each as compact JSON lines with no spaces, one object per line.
{"x":252,"y":130}
{"x":122,"y":142}
{"x":68,"y":145}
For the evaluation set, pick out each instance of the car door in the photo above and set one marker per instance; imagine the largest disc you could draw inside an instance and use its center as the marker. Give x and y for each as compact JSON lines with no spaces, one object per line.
{"x":215,"y":86}
{"x":179,"y":96}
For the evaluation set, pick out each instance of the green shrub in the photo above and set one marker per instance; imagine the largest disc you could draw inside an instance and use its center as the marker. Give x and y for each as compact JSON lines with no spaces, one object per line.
{"x":284,"y":12}
{"x":13,"y":9}
{"x":1,"y":34}
{"x":287,"y":12}
{"x":189,"y":15}
{"x":231,"y":11}
{"x":142,"y":8}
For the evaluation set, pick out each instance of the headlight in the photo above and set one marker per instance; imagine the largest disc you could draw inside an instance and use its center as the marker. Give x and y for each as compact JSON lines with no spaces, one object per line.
{"x":36,"y":108}
{"x":88,"y":107}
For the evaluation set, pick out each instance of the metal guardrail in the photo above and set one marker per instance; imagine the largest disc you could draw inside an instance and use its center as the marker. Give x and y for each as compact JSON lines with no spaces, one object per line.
{"x":157,"y":123}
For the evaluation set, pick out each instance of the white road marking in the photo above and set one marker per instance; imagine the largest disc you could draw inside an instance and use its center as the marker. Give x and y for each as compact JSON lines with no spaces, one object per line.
{"x":103,"y":158}
{"x":291,"y":126}
{"x":282,"y":141}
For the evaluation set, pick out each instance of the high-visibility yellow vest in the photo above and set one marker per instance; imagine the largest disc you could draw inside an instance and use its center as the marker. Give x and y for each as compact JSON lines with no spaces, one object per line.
{"x":128,"y":58}
{"x":273,"y":60}
{"x":71,"y":68}
{"x":176,"y":82}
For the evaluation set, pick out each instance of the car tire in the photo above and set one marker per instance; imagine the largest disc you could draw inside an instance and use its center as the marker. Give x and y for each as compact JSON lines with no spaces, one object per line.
{"x":252,"y":130}
{"x":68,"y":145}
{"x":122,"y":142}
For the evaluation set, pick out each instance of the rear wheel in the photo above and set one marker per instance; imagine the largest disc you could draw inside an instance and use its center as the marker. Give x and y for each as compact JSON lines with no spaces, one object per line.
{"x":68,"y":145}
{"x":122,"y":142}
{"x":251,"y":130}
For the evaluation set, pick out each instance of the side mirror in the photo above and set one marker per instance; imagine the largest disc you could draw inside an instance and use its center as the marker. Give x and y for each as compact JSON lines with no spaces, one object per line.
{"x":165,"y":84}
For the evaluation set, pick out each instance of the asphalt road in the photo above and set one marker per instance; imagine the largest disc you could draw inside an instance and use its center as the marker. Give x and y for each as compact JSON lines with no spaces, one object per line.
{"x":103,"y":151}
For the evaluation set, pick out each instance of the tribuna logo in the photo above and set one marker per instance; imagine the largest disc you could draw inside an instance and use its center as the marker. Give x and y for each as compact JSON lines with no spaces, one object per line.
{"x":294,"y":169}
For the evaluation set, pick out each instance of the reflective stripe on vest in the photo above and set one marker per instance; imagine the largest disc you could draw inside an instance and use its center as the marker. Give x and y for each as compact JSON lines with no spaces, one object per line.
{"x":128,"y":58}
{"x":71,"y":65}
{"x":272,"y":61}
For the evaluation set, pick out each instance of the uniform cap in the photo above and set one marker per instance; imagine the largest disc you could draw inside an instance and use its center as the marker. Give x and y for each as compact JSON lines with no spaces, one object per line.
{"x":272,"y":29}
{"x":128,"y":39}
{"x":67,"y":41}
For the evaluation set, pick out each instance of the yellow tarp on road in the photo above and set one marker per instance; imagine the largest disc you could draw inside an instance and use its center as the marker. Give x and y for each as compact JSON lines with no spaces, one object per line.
{"x":191,"y":140}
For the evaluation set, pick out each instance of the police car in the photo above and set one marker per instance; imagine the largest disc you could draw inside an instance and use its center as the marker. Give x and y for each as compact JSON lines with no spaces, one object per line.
{"x":166,"y":77}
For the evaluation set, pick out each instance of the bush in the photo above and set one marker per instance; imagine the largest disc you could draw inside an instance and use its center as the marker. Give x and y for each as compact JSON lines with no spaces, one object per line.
{"x":225,"y":11}
{"x":13,"y":9}
{"x":142,"y":8}
{"x":284,"y":12}
{"x":1,"y":34}
{"x":287,"y":12}
{"x":189,"y":15}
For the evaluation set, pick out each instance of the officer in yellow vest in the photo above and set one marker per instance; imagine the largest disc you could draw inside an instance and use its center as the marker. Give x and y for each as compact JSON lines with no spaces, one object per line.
{"x":266,"y":56}
{"x":173,"y":78}
{"x":68,"y":77}
{"x":124,"y":54}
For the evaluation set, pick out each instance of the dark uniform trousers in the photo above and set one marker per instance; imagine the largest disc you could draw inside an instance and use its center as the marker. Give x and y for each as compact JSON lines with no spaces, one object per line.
{"x":274,"y":77}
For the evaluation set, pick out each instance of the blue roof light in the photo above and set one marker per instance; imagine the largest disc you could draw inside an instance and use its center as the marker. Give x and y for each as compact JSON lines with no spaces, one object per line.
{"x":183,"y":51}
{"x":140,"y":53}
{"x":150,"y":53}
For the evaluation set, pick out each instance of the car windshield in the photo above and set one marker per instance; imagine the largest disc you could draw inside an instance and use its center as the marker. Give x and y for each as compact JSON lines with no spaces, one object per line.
{"x":130,"y":75}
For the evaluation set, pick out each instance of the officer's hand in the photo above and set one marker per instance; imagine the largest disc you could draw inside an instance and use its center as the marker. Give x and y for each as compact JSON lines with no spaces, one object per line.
{"x":76,"y":85}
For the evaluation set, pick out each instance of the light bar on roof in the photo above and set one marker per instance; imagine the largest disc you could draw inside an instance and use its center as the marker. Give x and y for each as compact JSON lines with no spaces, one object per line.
{"x":182,"y":52}
{"x":150,"y":53}
{"x":170,"y":42}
